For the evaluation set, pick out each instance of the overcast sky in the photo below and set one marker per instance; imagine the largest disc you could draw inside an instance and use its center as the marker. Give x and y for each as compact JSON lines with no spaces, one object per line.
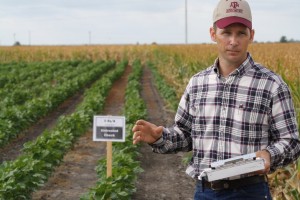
{"x":53,"y":22}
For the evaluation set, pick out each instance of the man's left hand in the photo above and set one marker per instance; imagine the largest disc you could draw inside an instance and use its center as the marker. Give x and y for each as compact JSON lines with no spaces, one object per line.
{"x":264,"y":154}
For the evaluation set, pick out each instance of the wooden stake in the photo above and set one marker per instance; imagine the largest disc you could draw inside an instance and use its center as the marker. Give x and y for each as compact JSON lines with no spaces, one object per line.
{"x":109,"y":159}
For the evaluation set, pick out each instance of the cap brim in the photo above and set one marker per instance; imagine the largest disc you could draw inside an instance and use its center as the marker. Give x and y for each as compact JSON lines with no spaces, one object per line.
{"x":222,"y":23}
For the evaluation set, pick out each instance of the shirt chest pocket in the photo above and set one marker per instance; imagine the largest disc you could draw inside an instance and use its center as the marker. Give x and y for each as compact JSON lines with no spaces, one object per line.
{"x":203,"y":106}
{"x":252,"y":115}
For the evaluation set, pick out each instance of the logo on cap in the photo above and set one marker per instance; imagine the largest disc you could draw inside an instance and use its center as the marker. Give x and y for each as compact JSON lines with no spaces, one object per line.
{"x":232,"y":11}
{"x":233,"y":8}
{"x":234,"y":4}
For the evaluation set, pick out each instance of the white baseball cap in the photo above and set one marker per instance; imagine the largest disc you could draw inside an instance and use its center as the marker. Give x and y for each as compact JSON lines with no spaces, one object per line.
{"x":232,"y":11}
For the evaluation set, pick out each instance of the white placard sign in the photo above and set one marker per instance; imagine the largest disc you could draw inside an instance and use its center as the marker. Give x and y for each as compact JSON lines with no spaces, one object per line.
{"x":109,"y":128}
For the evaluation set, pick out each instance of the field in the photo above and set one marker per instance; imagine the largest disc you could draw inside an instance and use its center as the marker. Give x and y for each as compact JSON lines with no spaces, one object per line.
{"x":75,"y":83}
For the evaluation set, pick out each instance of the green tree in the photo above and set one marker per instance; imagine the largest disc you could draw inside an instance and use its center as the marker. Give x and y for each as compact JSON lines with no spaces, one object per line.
{"x":17,"y":43}
{"x":283,"y":39}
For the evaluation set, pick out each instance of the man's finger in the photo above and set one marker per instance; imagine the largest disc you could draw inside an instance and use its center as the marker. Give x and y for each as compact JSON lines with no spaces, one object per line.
{"x":137,"y":128}
{"x":138,"y":134}
{"x":136,"y":139}
{"x":142,"y":122}
{"x":138,"y":125}
{"x":139,"y":122}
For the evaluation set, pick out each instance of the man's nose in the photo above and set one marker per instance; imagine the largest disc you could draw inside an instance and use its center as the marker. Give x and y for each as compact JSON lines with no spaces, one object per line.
{"x":234,"y":40}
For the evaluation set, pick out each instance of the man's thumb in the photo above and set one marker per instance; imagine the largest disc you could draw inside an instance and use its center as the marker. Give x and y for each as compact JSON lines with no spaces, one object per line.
{"x":159,"y":130}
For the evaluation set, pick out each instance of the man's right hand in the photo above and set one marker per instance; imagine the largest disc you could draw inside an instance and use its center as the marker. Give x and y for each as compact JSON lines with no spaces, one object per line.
{"x":146,"y":132}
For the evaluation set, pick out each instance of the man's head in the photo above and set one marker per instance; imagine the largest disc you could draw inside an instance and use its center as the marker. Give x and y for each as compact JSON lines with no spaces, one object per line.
{"x":229,"y":12}
{"x":232,"y":32}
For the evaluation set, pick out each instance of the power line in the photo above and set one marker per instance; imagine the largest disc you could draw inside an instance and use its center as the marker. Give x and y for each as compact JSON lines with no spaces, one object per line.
{"x":186,"y":23}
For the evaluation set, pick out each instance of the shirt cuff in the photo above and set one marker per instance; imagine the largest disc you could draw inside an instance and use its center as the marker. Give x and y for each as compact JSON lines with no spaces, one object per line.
{"x":158,"y":142}
{"x":273,"y":152}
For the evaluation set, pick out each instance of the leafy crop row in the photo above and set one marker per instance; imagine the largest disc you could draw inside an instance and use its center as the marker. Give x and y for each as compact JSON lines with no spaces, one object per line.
{"x":19,"y":73}
{"x":165,"y":90}
{"x":121,"y":185}
{"x":19,"y":178}
{"x":15,"y":119}
{"x":42,"y":77}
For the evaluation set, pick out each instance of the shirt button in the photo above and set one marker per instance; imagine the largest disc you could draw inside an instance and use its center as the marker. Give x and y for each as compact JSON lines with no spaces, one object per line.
{"x":226,"y":185}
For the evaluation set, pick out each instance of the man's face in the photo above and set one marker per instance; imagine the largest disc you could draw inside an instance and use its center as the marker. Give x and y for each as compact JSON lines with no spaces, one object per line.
{"x":232,"y":42}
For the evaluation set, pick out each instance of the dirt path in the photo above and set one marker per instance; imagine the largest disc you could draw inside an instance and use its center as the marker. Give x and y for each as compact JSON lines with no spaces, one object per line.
{"x":77,"y":172}
{"x":164,"y":176}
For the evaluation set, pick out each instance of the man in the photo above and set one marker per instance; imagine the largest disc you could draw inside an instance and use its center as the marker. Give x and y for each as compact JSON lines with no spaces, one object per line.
{"x":232,"y":108}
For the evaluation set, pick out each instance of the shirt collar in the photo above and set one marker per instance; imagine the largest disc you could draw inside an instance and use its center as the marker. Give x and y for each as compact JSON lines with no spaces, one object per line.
{"x":241,"y":70}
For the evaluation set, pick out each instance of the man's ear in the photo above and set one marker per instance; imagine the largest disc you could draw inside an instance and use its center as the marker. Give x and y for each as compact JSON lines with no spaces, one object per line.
{"x":252,"y":33}
{"x":212,"y":34}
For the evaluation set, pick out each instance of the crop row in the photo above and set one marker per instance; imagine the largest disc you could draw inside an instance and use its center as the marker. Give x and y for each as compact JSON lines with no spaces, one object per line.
{"x":16,"y":73}
{"x":15,"y":119}
{"x":19,"y":178}
{"x":121,"y":185}
{"x":39,"y":78}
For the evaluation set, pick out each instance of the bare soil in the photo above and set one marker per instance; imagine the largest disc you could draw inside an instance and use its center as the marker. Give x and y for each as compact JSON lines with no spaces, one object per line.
{"x":163,"y":177}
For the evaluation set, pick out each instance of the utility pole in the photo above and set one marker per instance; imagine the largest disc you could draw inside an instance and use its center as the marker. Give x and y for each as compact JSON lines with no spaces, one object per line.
{"x":29,"y":38}
{"x":186,"y":23}
{"x":90,"y":37}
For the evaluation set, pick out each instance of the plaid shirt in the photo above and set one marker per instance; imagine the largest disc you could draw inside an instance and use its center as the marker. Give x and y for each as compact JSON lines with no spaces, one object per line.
{"x":220,"y":118}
